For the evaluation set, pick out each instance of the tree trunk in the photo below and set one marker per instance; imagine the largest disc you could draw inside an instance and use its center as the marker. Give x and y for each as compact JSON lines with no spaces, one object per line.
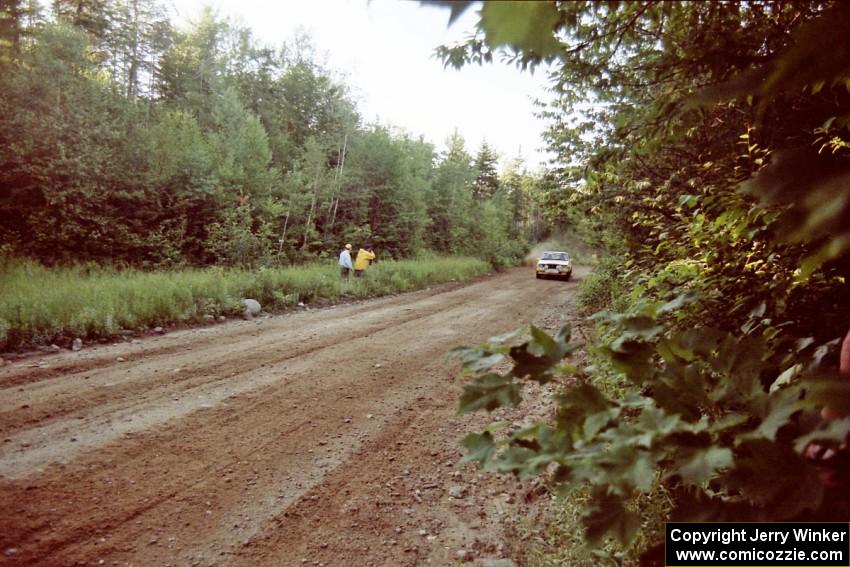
{"x":312,"y":209}
{"x":340,"y":168}
{"x":133,"y":71}
{"x":333,"y":217}
{"x":285,"y":223}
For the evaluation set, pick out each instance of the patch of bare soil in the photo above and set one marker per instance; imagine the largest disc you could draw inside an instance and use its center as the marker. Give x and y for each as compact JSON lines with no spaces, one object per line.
{"x":326,"y":437}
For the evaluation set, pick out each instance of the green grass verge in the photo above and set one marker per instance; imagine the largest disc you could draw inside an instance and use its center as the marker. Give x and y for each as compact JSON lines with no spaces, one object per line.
{"x":560,"y":539}
{"x":40,"y":305}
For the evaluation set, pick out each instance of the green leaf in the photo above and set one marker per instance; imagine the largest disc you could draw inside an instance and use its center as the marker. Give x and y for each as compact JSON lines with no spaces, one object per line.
{"x":626,"y":466}
{"x":641,"y":327}
{"x":677,"y":303}
{"x":608,"y":517}
{"x":583,"y":399}
{"x":503,"y":338}
{"x":479,"y":447}
{"x":526,"y":26}
{"x":546,"y":445}
{"x":641,"y":471}
{"x":634,"y":359}
{"x":489,"y":392}
{"x":521,"y":461}
{"x":833,"y":432}
{"x":596,"y":422}
{"x":675,"y":400}
{"x":529,"y":365}
{"x":783,"y":495}
{"x":497,"y":426}
{"x":786,"y":377}
{"x":657,"y":423}
{"x":671,"y":350}
{"x":481,"y":362}
{"x":699,"y":465}
{"x":835,"y":247}
{"x":564,"y":334}
{"x":543,"y":343}
{"x":782,"y":405}
{"x":702,"y":342}
{"x":689,"y":201}
{"x":730,"y":421}
{"x":830,"y":391}
{"x":530,"y":432}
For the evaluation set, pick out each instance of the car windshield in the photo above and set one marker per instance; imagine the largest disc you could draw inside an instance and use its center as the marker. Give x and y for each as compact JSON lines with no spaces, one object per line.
{"x":555,"y":256}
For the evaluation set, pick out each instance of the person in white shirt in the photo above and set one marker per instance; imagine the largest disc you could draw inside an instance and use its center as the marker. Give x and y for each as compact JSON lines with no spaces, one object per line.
{"x":345,"y":261}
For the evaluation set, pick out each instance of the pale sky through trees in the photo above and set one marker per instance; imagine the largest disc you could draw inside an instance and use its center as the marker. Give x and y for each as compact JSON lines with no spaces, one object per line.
{"x":385,"y":49}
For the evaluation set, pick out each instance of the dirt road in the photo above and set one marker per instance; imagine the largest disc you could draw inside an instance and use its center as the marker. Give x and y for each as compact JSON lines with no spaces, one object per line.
{"x":324,"y":437}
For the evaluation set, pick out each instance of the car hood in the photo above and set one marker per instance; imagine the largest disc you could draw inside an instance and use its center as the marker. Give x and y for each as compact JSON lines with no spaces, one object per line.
{"x":555,"y":262}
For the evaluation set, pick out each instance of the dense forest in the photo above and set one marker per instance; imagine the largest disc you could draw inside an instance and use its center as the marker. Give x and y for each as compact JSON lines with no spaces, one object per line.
{"x":127,"y":141}
{"x":703,"y":146}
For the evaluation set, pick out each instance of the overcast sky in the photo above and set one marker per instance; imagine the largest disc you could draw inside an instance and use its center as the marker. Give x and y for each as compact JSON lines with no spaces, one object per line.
{"x":385,"y":50}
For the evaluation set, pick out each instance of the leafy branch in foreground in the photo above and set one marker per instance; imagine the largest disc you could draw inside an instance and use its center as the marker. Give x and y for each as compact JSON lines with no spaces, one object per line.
{"x":703,"y":146}
{"x":709,"y":414}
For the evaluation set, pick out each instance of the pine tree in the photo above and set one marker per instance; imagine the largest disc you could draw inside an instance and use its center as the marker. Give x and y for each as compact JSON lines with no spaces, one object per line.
{"x":487,"y":181}
{"x":17,"y":18}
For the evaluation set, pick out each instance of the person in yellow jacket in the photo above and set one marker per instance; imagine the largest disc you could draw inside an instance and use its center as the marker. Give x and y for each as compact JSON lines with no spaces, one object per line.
{"x":364,"y":258}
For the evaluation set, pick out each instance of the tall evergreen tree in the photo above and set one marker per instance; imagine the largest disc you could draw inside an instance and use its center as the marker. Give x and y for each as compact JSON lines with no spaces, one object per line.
{"x":450,"y":204}
{"x":95,"y":17}
{"x":487,"y":180}
{"x":141,"y":34}
{"x":11,"y":16}
{"x":17,"y":23}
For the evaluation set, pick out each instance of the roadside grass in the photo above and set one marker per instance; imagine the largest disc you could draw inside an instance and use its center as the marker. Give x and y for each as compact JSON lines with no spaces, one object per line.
{"x":560,"y":540}
{"x":604,"y":288}
{"x":40,"y":305}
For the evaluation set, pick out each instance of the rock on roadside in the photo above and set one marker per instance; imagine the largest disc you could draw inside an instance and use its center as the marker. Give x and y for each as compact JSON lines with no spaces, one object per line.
{"x":252,"y":307}
{"x":457,"y":491}
{"x":77,"y":344}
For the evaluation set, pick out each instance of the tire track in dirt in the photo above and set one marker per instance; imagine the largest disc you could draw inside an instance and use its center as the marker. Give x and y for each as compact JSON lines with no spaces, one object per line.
{"x":262,"y":425}
{"x":142,"y":397}
{"x":244,"y":339}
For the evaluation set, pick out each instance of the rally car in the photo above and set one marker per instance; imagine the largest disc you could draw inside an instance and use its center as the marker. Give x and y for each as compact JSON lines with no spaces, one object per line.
{"x":555,"y":265}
